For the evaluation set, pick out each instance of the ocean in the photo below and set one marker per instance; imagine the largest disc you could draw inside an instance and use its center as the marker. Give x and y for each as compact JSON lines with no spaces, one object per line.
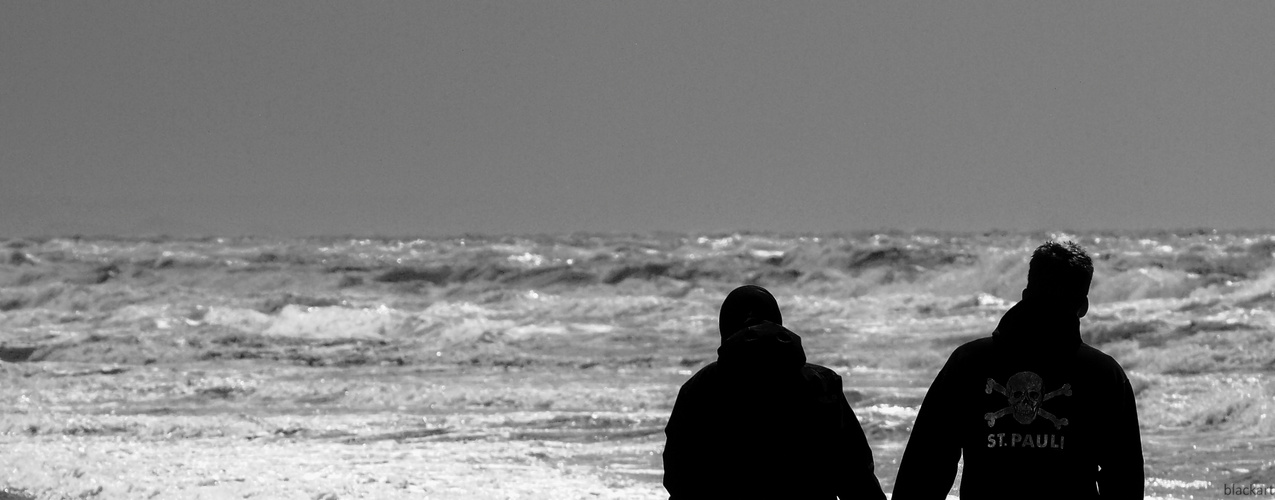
{"x":538,"y":364}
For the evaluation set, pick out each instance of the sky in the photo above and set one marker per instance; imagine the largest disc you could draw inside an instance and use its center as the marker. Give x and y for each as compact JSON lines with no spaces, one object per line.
{"x":309,"y":117}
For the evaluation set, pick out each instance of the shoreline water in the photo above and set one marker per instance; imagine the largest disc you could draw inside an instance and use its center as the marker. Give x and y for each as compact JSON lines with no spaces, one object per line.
{"x":546,"y":364}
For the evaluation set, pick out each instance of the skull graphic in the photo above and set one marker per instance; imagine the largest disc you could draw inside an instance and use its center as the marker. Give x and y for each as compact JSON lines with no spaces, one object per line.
{"x":1025,"y":393}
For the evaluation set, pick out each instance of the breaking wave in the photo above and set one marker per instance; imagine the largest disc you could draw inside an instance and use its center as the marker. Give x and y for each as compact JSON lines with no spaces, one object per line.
{"x":1128,"y":266}
{"x":1168,"y":306}
{"x":466,"y":287}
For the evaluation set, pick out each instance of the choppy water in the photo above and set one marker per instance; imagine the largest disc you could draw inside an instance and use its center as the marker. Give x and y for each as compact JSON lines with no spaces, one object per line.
{"x":1191,"y":315}
{"x":461,"y":288}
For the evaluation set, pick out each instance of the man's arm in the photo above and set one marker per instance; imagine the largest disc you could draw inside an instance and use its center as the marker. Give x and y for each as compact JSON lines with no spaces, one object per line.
{"x":1121,"y":460}
{"x":928,"y":467}
{"x":860,"y":475}
{"x":684,"y":464}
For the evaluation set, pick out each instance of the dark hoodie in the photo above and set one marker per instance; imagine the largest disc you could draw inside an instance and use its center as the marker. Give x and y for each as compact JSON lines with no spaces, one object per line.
{"x":761,"y":422}
{"x":1036,"y":413}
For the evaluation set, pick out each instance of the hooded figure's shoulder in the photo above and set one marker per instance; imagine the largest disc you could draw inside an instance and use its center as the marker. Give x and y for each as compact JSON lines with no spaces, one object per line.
{"x":820,"y":371}
{"x":703,"y":376}
{"x":821,"y":378}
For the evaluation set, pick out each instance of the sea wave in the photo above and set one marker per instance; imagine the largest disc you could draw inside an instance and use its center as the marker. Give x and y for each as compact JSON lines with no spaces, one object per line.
{"x":1168,"y":306}
{"x":463,"y":288}
{"x":1128,"y":266}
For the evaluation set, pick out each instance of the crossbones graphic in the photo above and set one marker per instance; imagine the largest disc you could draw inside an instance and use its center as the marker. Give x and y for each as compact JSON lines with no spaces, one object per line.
{"x":1024,"y":394}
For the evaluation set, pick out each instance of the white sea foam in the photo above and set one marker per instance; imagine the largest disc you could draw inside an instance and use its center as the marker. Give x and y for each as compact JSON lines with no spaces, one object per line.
{"x":460,"y":289}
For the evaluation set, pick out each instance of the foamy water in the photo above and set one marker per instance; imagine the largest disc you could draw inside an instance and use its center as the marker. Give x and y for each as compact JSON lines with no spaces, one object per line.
{"x":1190,"y":315}
{"x":1164,"y":304}
{"x":457,"y":288}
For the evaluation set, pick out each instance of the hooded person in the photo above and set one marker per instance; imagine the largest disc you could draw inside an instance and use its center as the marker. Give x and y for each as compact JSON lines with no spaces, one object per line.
{"x":1035,"y":412}
{"x":760,"y":422}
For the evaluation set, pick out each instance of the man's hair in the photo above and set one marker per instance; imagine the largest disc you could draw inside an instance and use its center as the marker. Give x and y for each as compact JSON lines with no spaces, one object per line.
{"x":1060,"y":270}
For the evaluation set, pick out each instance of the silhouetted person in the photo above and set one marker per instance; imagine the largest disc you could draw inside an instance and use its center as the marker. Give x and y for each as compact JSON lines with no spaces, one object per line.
{"x":1035,"y":411}
{"x":761,"y":422}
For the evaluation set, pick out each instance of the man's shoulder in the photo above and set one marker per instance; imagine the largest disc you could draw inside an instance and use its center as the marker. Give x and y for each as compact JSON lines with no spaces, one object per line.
{"x":1094,"y":359}
{"x":977,"y":350}
{"x":972,"y":349}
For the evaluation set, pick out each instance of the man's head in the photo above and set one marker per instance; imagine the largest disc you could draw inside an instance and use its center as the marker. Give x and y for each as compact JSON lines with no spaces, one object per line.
{"x":746,"y":304}
{"x":1059,"y":275}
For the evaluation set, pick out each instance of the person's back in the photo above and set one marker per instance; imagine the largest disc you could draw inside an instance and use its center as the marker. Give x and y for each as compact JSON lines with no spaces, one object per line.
{"x":761,"y":422}
{"x":1035,"y":412}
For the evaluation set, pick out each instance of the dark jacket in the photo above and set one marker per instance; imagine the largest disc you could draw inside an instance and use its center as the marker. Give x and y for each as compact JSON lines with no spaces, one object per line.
{"x":1036,"y":414}
{"x":762,"y":423}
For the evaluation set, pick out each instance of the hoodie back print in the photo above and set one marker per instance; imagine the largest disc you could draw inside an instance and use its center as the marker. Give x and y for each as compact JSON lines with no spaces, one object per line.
{"x":1035,"y":413}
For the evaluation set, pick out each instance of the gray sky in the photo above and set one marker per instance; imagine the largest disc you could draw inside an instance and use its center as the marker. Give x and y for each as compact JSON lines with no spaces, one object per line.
{"x":309,"y":117}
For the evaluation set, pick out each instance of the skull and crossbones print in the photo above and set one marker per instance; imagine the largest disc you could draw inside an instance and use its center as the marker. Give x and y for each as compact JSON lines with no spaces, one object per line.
{"x":1025,"y":393}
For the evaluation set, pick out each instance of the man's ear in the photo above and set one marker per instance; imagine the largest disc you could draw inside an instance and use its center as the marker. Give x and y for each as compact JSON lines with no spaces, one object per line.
{"x":1083,"y":307}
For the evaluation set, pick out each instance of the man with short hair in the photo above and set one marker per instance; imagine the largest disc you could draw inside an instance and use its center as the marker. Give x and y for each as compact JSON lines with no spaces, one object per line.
{"x":760,"y":422}
{"x":1035,"y":411}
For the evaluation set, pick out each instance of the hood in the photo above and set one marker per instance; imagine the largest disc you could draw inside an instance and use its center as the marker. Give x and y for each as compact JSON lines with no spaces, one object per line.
{"x":745,"y":305}
{"x":762,"y":348}
{"x":1032,"y":325}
